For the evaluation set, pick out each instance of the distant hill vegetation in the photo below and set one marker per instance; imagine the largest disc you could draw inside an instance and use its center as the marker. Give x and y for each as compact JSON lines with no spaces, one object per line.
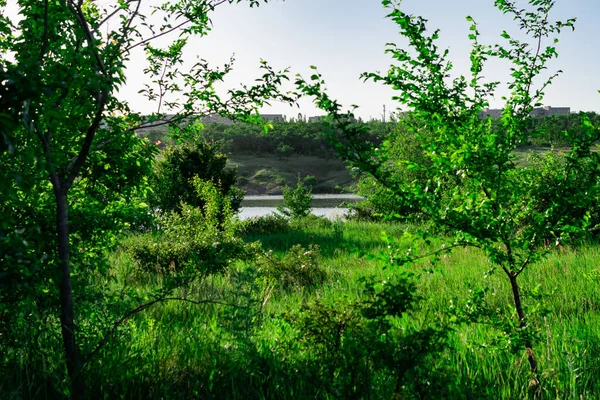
{"x":267,"y":162}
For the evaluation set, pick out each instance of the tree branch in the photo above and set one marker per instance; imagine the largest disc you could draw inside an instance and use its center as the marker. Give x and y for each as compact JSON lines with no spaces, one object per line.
{"x":44,"y":46}
{"x":525,"y":263}
{"x":88,"y":35}
{"x":142,"y":42}
{"x":78,"y":162}
{"x":141,"y":308}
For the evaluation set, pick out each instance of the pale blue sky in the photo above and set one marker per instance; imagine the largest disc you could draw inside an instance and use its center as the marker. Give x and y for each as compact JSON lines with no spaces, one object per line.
{"x":346,"y":37}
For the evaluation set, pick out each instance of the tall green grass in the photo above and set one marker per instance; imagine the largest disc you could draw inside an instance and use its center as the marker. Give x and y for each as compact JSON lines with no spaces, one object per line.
{"x":250,"y":349}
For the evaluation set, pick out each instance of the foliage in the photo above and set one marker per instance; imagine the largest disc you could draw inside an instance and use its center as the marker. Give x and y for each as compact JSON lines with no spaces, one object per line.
{"x":298,"y":269}
{"x":550,"y":176}
{"x":70,"y":160}
{"x":267,"y":224}
{"x":249,"y":345}
{"x":552,"y":130}
{"x":348,"y":345}
{"x":285,"y":151}
{"x":296,"y":202}
{"x":285,"y":138}
{"x":470,"y":184}
{"x":310,"y":181}
{"x":173,"y":180}
{"x":402,"y":148}
{"x":185,"y":241}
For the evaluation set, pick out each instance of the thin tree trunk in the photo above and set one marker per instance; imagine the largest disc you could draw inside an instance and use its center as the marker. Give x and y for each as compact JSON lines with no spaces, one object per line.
{"x":519,"y":308}
{"x":66,"y":292}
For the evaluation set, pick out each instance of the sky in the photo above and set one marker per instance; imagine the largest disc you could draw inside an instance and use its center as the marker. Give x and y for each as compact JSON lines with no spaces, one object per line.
{"x":345,"y":38}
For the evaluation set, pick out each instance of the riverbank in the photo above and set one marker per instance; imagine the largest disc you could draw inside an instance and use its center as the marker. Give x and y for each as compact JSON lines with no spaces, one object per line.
{"x":266,"y":174}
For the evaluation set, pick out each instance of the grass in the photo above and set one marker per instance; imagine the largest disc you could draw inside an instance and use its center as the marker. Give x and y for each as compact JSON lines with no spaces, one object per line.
{"x":254,"y":349}
{"x":265,"y":174}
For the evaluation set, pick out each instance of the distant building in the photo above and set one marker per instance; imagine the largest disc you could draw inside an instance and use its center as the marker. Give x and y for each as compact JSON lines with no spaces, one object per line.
{"x":215,"y":118}
{"x":547,"y":111}
{"x":272,"y":117}
{"x":317,"y":118}
{"x":496,"y":113}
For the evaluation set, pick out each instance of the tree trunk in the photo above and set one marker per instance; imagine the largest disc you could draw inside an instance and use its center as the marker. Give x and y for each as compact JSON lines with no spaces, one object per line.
{"x":519,"y":308}
{"x":66,"y":292}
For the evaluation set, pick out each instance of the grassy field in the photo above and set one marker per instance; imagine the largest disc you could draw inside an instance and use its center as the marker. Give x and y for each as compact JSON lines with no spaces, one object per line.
{"x":254,"y":346}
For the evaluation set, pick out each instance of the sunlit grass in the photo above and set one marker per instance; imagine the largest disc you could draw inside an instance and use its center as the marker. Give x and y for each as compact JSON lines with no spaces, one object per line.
{"x":245,"y":350}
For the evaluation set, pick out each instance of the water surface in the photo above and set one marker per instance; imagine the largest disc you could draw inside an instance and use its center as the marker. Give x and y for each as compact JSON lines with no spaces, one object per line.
{"x":327,"y":205}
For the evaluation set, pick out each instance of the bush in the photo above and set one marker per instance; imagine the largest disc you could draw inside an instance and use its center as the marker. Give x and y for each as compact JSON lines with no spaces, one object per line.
{"x":554,"y":186}
{"x":297,"y":202}
{"x":185,"y":241}
{"x":310,"y":181}
{"x":404,"y":151}
{"x":268,"y":224}
{"x":173,"y":178}
{"x":299,"y":268}
{"x":349,"y":349}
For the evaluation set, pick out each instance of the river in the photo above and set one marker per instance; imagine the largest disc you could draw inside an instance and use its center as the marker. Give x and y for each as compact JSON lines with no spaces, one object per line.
{"x":327,"y":205}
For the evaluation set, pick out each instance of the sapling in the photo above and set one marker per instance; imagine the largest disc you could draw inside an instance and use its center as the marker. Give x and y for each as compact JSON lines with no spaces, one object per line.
{"x":468,"y":184}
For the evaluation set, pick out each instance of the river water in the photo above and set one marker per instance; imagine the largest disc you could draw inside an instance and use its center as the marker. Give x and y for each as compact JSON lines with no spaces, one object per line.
{"x":327,"y":205}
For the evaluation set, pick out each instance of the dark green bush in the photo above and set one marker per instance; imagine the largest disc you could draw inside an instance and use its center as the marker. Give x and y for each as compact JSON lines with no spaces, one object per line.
{"x":310,"y":181}
{"x":368,"y":348}
{"x":555,"y":181}
{"x":403,"y":152}
{"x":186,"y":240}
{"x":173,"y":179}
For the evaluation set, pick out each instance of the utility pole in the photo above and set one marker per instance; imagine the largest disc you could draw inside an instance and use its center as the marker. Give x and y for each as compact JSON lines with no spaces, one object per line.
{"x":384,"y":113}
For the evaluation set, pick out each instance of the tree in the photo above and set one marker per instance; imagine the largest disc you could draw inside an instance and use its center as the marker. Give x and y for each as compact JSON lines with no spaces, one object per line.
{"x":490,"y":204}
{"x":69,"y":153}
{"x":172,"y":181}
{"x":297,"y":202}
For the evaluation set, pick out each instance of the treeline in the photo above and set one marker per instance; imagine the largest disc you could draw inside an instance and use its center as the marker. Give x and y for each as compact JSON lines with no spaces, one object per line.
{"x":284,"y":139}
{"x":308,"y":139}
{"x":550,"y":131}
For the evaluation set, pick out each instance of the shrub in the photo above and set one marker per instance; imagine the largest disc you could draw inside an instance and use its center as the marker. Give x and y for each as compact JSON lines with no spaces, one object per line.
{"x":551,"y":176}
{"x":186,"y":241}
{"x":347,"y":346}
{"x":267,"y":224}
{"x":310,"y":181}
{"x":173,"y":178}
{"x":299,"y":268}
{"x":297,"y":202}
{"x":285,"y":151}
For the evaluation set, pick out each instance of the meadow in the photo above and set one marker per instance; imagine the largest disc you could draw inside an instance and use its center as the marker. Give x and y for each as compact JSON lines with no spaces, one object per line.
{"x":251,"y":343}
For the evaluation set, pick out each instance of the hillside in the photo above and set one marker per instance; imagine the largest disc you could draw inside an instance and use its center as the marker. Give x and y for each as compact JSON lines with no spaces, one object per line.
{"x":268,"y":174}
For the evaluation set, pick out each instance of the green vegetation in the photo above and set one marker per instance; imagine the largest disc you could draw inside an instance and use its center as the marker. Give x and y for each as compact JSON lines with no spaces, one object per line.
{"x":265,"y":174}
{"x":467,"y":273}
{"x":463,"y":180}
{"x":262,"y":327}
{"x":296,"y":202}
{"x":182,"y":170}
